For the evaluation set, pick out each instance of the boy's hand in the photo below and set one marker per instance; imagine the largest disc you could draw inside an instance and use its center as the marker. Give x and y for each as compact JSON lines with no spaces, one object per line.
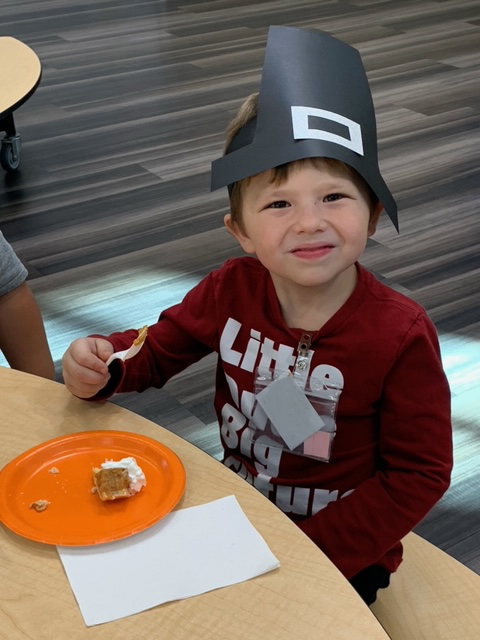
{"x":84,"y":368}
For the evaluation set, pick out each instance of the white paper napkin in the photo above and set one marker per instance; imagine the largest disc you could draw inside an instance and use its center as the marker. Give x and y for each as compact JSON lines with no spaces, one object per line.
{"x":188,"y":552}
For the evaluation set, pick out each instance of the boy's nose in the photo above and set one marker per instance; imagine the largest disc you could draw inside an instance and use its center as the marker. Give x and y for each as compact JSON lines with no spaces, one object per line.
{"x":310,"y":219}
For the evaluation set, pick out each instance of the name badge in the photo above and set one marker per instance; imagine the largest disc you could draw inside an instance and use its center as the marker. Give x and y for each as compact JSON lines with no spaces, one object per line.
{"x":299,"y":417}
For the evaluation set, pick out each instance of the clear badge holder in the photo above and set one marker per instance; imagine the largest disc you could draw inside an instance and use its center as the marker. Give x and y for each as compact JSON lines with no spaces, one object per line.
{"x":298,"y":413}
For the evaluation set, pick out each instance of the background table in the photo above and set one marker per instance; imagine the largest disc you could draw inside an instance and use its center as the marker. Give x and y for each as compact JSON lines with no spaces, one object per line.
{"x":307,"y":598}
{"x":20,"y":73}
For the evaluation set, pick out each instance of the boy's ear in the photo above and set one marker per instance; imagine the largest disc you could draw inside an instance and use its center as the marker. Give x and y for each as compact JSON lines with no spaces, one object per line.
{"x":374,"y":217}
{"x":241,"y":237}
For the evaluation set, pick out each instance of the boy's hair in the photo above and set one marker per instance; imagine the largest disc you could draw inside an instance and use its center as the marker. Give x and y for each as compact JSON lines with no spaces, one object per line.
{"x":247,"y":111}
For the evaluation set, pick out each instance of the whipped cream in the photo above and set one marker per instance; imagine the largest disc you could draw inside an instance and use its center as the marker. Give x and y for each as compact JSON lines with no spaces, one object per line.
{"x":136,"y":476}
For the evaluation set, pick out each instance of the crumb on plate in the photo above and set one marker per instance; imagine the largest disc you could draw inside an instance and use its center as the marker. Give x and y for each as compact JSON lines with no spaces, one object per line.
{"x":39,"y":505}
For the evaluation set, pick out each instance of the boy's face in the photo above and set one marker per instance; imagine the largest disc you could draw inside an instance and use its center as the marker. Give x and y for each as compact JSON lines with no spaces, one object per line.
{"x":307,"y":230}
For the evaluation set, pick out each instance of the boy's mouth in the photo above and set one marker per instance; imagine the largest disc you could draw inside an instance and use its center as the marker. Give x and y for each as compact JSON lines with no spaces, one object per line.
{"x":312,"y":250}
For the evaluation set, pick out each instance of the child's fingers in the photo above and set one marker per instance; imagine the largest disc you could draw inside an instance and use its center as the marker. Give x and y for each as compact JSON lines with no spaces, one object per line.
{"x":82,"y":355}
{"x":82,"y":390}
{"x":103,"y":349}
{"x":94,"y":373}
{"x":82,"y":381}
{"x":81,"y":365}
{"x":84,"y":370}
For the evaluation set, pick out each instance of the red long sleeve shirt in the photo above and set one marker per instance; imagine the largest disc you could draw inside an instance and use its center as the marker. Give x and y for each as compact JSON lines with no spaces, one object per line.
{"x":392,"y":454}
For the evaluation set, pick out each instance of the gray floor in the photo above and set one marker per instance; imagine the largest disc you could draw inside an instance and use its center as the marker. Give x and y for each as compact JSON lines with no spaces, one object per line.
{"x":111,"y":211}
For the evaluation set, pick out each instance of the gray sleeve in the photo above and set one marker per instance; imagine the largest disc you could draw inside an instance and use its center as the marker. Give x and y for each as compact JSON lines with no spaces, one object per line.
{"x":12,"y":271}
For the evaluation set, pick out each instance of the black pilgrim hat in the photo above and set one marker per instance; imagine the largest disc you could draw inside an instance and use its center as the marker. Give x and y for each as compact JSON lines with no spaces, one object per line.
{"x":314,"y":101}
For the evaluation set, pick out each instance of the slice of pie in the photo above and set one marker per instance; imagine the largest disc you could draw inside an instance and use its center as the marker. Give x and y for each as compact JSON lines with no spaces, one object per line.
{"x":142,"y":334}
{"x":112,"y":483}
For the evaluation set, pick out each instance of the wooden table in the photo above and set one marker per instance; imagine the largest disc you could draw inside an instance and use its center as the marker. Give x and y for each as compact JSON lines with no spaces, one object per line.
{"x":20,"y":72}
{"x":307,"y":598}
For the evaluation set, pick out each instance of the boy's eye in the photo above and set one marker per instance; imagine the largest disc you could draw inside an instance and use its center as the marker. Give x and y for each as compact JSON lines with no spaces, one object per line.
{"x":333,"y":197}
{"x":278,"y":204}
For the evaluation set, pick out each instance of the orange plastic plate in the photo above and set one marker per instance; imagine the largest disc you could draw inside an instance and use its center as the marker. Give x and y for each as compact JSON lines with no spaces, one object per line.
{"x":76,"y":516}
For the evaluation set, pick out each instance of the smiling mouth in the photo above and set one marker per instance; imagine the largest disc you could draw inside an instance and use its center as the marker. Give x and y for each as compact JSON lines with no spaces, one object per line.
{"x":313,"y":251}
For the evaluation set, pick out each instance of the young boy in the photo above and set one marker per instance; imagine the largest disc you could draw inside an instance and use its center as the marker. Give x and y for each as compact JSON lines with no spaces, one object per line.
{"x":22,"y":334}
{"x":370,"y":451}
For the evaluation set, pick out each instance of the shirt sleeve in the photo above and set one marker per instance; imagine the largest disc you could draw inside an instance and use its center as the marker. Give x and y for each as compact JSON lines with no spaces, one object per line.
{"x":184,"y":334}
{"x":415,"y":461}
{"x":12,"y":271}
